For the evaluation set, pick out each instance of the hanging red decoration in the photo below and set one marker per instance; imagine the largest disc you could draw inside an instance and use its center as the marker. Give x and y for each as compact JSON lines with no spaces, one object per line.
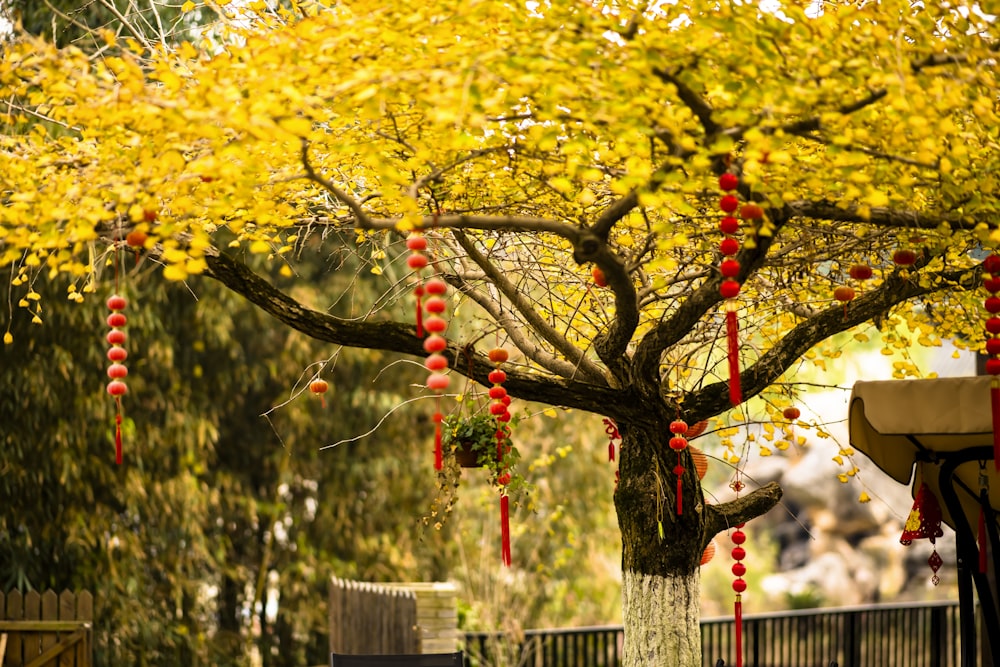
{"x":709,"y":553}
{"x":730,"y":270}
{"x":599,"y":278}
{"x":924,"y":522}
{"x":991,"y":266}
{"x":904,"y":257}
{"x":699,"y":460}
{"x":117,"y":372}
{"x":791,"y":413}
{"x":611,"y":429}
{"x":435,"y":325}
{"x":500,"y":408}
{"x":739,"y":587}
{"x":417,"y":261}
{"x":860,"y":272}
{"x":844,"y":294}
{"x":319,"y":387}
{"x":679,"y":443}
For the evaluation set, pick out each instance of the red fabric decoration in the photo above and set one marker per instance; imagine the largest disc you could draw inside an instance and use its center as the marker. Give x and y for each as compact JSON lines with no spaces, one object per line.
{"x":611,"y":429}
{"x":732,"y":338}
{"x":438,"y":452}
{"x":924,"y":522}
{"x":505,"y":529}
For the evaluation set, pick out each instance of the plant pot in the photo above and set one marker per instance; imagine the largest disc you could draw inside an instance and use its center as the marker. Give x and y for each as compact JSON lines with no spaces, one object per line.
{"x":466,"y":456}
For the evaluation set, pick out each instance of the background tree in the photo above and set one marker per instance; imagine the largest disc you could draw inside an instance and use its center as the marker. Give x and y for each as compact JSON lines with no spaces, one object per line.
{"x":530,"y":146}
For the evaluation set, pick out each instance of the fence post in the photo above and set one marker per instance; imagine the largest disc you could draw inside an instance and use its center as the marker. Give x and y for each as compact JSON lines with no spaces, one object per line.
{"x":938,"y":630}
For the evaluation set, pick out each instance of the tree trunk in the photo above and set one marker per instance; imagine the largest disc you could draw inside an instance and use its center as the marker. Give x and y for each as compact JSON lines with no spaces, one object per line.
{"x":661,"y":616}
{"x":661,"y":552}
{"x":661,"y":549}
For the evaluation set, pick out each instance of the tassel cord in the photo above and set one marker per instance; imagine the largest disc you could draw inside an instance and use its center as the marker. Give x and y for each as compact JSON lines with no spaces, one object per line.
{"x":732,"y":338}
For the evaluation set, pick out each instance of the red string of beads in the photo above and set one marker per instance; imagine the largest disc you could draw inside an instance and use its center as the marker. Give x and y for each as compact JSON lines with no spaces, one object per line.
{"x":117,"y":372}
{"x":729,"y":267}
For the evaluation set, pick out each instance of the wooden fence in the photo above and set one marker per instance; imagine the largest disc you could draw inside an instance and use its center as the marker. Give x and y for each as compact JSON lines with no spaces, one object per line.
{"x":46,"y":630}
{"x":369,"y":618}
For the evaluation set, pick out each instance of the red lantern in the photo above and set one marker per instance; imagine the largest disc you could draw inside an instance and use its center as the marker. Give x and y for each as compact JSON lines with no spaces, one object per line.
{"x":844,"y":294}
{"x":860,"y":272}
{"x":319,"y":387}
{"x":708,"y":554}
{"x":904,"y":257}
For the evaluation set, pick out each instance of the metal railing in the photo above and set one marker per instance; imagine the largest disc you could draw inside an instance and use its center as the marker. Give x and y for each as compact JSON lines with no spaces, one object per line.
{"x":901,"y":635}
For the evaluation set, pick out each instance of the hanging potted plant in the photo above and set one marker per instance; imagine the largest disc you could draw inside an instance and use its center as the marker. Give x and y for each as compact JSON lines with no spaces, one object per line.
{"x":472,"y":440}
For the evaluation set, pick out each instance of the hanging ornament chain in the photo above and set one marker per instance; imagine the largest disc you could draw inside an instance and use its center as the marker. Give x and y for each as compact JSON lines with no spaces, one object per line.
{"x":739,"y":569}
{"x":729,"y":267}
{"x":117,"y":354}
{"x":500,"y":409}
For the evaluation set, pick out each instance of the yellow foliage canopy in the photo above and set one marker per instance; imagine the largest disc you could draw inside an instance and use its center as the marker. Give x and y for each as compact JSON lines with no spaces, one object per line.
{"x":524,"y":138}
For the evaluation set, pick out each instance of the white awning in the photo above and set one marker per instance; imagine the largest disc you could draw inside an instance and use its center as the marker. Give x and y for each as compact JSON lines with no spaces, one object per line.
{"x":893,"y":421}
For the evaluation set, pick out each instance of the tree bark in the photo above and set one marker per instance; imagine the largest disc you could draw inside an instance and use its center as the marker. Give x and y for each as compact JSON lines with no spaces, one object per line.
{"x":661,"y":548}
{"x":659,"y":614}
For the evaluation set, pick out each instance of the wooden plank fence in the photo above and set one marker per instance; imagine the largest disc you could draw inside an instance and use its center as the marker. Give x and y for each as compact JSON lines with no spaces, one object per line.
{"x":369,"y":618}
{"x":46,"y":630}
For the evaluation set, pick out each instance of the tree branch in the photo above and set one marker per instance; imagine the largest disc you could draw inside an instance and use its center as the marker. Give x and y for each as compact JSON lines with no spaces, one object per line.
{"x":878,"y":215}
{"x":698,"y":106}
{"x":724,"y":516}
{"x":897,"y":288}
{"x":398,"y":337}
{"x":578,"y":364}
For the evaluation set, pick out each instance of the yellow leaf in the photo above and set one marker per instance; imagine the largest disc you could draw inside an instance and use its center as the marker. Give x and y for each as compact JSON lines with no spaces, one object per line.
{"x":300,"y":127}
{"x":285,"y":271}
{"x":7,"y":338}
{"x":864,"y":497}
{"x":175,"y":272}
{"x":377,"y":270}
{"x":187,"y":6}
{"x":550,"y":412}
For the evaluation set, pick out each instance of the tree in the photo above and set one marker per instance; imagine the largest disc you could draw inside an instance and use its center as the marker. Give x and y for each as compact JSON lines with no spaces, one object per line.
{"x":533,"y":146}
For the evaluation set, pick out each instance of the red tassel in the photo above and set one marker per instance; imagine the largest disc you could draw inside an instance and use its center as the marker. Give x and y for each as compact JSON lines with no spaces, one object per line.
{"x":995,"y":404}
{"x":738,"y":610}
{"x":680,"y":483}
{"x":438,"y":453}
{"x":118,"y":437}
{"x":982,"y":541}
{"x":505,"y":529}
{"x":419,"y":292}
{"x":611,"y":451}
{"x":732,"y":336}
